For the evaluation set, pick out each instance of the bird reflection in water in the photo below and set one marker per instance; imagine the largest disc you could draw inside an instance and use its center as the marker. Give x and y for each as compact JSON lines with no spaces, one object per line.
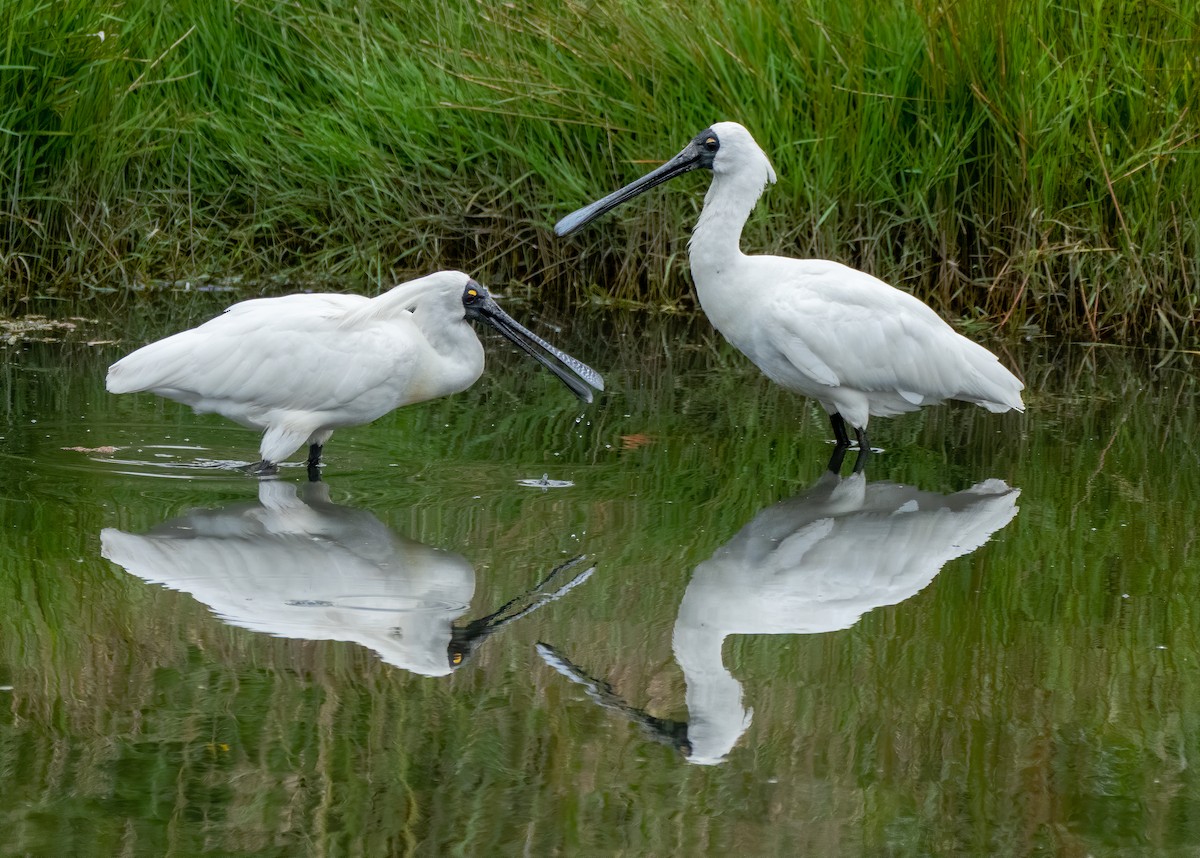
{"x":299,"y":566}
{"x":813,"y":563}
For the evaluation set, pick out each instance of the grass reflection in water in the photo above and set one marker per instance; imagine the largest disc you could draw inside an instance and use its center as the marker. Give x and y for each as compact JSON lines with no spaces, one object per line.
{"x":1036,"y":694}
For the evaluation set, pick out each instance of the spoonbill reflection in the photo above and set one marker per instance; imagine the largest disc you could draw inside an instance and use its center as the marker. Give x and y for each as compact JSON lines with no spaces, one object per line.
{"x":858,"y":346}
{"x":306,"y":568}
{"x":300,"y":366}
{"x":813,"y":563}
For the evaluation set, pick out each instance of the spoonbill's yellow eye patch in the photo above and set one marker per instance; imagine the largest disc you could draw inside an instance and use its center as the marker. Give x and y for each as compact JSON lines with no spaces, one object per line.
{"x":456,"y":658}
{"x":472,"y":293}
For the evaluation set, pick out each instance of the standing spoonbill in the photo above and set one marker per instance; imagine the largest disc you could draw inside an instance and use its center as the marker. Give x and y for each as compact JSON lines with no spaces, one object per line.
{"x":300,"y":366}
{"x":293,"y":564}
{"x":812,"y":564}
{"x":818,"y":328}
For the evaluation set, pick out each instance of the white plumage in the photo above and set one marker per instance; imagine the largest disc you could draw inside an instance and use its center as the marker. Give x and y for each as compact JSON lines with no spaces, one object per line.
{"x":811,"y":564}
{"x":300,"y":366}
{"x":858,"y":346}
{"x":302,"y":567}
{"x":299,"y":566}
{"x":816,"y":563}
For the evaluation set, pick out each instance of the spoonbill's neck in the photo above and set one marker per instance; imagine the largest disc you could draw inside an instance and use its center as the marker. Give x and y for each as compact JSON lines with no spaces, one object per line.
{"x":717,"y":717}
{"x":698,"y":649}
{"x":716,"y":241}
{"x":702,"y":626}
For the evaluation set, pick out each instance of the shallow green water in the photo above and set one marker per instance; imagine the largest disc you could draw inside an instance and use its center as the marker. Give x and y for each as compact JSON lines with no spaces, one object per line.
{"x":763,"y":661}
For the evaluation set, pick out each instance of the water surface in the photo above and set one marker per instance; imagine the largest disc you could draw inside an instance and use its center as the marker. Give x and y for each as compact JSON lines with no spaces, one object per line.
{"x":505,"y":623}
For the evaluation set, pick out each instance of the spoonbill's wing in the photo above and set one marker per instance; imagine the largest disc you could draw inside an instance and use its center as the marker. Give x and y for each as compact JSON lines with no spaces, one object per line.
{"x":274,"y":353}
{"x":846,"y":328}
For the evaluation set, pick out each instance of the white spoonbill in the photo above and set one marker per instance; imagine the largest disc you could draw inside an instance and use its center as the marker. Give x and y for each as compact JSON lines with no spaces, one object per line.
{"x":817,"y":563}
{"x":858,"y":346}
{"x":300,"y":366}
{"x":811,"y":564}
{"x":296,"y":565}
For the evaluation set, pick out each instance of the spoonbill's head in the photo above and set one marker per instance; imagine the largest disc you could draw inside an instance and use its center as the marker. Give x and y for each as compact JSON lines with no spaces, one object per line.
{"x":479,"y":306}
{"x":726,"y":148}
{"x":737,"y":152}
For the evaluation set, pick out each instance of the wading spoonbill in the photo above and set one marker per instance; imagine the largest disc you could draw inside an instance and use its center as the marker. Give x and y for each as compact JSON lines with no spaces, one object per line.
{"x":296,"y":565}
{"x":812,"y":564}
{"x":858,"y":346}
{"x":300,"y":366}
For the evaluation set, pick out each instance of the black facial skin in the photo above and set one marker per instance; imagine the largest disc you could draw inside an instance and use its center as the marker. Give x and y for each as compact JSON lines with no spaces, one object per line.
{"x":707,"y":141}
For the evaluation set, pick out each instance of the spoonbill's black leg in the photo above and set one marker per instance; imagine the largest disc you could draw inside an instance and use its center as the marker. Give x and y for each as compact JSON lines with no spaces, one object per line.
{"x":314,"y":463}
{"x":839,"y":430}
{"x":864,"y":450}
{"x":835,"y":459}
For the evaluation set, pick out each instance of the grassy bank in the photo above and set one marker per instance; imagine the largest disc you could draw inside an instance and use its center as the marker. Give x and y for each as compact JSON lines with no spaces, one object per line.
{"x":1013,"y":164}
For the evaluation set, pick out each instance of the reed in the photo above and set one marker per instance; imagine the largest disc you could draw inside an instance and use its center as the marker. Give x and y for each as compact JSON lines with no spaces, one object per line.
{"x":1029,"y":167}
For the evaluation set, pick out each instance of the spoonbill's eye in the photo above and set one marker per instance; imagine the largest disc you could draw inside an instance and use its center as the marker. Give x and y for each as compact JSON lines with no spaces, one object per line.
{"x":470,"y":296}
{"x":711,"y":144}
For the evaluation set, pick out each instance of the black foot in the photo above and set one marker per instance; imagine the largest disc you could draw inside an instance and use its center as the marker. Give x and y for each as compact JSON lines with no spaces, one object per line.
{"x":314,"y":463}
{"x":835,"y":460}
{"x":262,"y":469}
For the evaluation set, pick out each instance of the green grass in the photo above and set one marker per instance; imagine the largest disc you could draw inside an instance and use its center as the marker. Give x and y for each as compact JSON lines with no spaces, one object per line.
{"x":1018,"y":166}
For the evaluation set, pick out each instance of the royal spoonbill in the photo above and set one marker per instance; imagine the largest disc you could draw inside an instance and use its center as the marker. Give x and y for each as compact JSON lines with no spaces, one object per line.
{"x":858,"y":346}
{"x":295,"y":565}
{"x":811,"y":564}
{"x":300,"y":366}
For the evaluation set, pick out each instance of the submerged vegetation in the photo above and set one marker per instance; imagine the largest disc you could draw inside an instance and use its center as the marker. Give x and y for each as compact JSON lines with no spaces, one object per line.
{"x":1023,"y":166}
